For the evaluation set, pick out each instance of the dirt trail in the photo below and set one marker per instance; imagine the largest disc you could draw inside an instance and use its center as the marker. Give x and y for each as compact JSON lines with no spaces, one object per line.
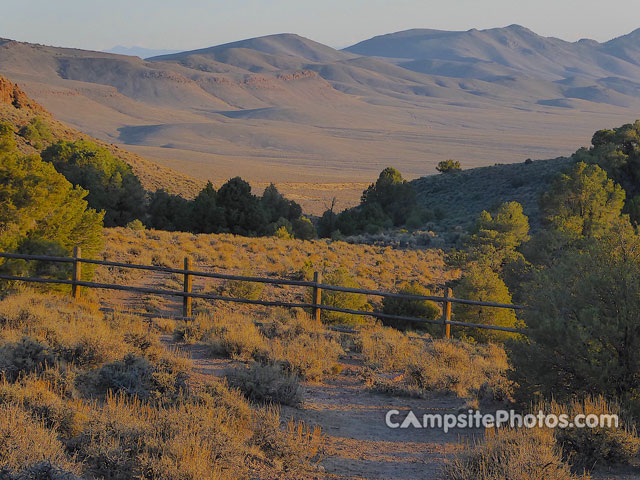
{"x":359,"y":444}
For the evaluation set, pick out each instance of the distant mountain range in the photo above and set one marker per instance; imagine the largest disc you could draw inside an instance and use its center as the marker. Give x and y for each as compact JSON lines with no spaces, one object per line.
{"x":141,"y":52}
{"x":286,"y":108}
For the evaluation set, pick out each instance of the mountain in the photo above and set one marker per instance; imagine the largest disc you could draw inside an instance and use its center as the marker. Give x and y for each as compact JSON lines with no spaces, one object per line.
{"x":286,"y":108}
{"x":281,"y":45}
{"x":502,"y":51}
{"x":141,"y":52}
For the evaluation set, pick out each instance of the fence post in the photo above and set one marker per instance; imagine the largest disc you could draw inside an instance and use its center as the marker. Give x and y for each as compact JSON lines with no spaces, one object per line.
{"x":446,"y":313}
{"x":77,"y":273}
{"x":188,"y":285}
{"x":317,"y":295}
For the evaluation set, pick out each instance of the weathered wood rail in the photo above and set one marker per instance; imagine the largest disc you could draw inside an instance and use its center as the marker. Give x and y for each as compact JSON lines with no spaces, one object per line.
{"x":316,"y":285}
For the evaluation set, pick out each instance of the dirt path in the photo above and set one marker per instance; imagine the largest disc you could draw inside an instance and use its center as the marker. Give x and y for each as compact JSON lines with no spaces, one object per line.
{"x":359,"y":444}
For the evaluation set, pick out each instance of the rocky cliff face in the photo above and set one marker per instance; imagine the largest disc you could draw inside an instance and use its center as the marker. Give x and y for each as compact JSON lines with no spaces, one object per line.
{"x":11,"y":93}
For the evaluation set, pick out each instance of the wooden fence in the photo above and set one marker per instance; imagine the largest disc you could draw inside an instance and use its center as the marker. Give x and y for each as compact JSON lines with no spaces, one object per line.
{"x":187,"y":293}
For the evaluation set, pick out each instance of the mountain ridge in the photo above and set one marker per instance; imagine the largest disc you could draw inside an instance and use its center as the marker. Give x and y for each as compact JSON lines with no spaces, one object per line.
{"x":286,"y":108}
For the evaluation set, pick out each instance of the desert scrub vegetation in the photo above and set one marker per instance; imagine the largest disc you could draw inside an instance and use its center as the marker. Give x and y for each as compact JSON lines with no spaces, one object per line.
{"x":267,"y":384}
{"x":414,"y":366}
{"x":541,"y":452}
{"x":602,"y":446}
{"x":511,"y":454}
{"x":371,"y":267}
{"x":293,"y":341}
{"x":424,"y":309}
{"x":126,"y":410}
{"x":27,"y":446}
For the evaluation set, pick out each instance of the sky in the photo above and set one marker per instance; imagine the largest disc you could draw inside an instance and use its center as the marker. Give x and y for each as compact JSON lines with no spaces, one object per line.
{"x":191,"y":24}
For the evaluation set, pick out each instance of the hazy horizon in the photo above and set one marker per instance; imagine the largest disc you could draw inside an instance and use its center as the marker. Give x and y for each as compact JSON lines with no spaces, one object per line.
{"x":200,"y":23}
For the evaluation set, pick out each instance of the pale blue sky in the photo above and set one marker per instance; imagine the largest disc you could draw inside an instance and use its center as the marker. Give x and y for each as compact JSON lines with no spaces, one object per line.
{"x":189,"y":24}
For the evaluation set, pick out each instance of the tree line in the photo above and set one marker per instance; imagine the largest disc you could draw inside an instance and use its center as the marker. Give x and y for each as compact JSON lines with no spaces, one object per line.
{"x":114,"y":188}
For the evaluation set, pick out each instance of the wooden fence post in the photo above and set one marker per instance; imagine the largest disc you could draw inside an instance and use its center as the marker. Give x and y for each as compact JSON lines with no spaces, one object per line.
{"x":446,"y":313}
{"x":317,"y":295}
{"x":188,"y":285}
{"x":77,"y":273}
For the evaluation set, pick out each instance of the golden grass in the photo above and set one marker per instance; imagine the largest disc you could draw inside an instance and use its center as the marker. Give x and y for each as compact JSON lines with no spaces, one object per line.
{"x":511,"y":454}
{"x":371,"y":267}
{"x":422,"y":365}
{"x":83,"y":412}
{"x":25,"y":442}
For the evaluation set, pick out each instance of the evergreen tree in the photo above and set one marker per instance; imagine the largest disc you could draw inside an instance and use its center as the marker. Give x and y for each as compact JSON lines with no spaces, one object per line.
{"x":583,"y":334}
{"x":40,"y":211}
{"x":206,"y":215}
{"x":243,"y":212}
{"x":112,"y":185}
{"x":168,"y":212}
{"x":495,"y":238}
{"x":583,"y":202}
{"x":481,"y":283}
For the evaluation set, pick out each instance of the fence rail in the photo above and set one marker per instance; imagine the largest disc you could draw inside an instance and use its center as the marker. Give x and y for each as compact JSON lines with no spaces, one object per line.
{"x":316,"y":285}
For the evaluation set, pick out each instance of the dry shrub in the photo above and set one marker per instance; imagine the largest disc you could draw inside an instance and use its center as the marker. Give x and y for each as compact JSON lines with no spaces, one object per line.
{"x":300,"y":345}
{"x":469,"y":371}
{"x":244,"y":289}
{"x":131,"y":439}
{"x":137,"y":376}
{"x":76,"y":333}
{"x":165,"y":325}
{"x":386,"y":348}
{"x":296,"y":447}
{"x":373,"y":267}
{"x":283,"y":323}
{"x":39,"y":471}
{"x":464,"y":369}
{"x":40,"y":399}
{"x":511,"y":454}
{"x":267,"y":383}
{"x":25,"y":443}
{"x":586,"y":448}
{"x":201,"y":328}
{"x":23,"y":357}
{"x":311,"y":357}
{"x":237,"y":336}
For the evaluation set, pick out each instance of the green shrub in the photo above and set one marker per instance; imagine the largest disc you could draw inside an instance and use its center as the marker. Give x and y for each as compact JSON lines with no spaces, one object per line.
{"x":135,"y":225}
{"x":40,"y":204}
{"x":244,"y":289}
{"x":351,"y":301}
{"x":582,"y":333}
{"x":449,"y":166}
{"x":411,"y":308}
{"x":111,"y":183}
{"x":303,"y":229}
{"x":37,"y":132}
{"x":267,"y":383}
{"x":483,"y":284}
